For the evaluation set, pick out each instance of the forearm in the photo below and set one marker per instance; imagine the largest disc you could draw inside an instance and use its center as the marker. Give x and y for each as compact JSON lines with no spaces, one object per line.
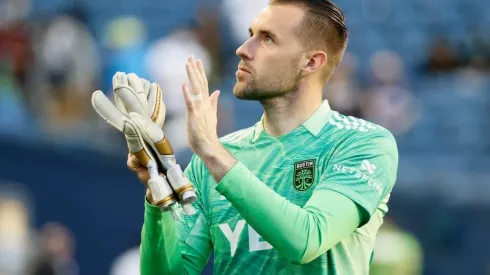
{"x":159,"y":251}
{"x":218,"y":161}
{"x":317,"y":227}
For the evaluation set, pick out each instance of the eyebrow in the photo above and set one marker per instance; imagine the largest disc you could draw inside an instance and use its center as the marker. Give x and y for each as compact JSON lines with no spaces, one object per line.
{"x":263,"y":31}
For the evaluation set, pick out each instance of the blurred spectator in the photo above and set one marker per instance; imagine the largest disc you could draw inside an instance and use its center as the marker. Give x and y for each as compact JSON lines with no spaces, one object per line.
{"x":15,"y":49}
{"x":443,"y":57}
{"x":396,"y":252}
{"x":128,"y":263}
{"x":166,"y":63}
{"x":16,"y":242}
{"x":15,"y":55}
{"x":342,"y":90}
{"x":13,"y":11}
{"x":56,"y":253}
{"x":388,"y":102}
{"x":65,"y":73}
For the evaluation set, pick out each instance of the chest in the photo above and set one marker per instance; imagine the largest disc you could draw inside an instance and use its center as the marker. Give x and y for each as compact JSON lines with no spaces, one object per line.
{"x":291,"y":173}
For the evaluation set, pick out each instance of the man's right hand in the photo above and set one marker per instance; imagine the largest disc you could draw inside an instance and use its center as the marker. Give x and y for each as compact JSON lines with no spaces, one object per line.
{"x":142,"y":173}
{"x":140,"y":170}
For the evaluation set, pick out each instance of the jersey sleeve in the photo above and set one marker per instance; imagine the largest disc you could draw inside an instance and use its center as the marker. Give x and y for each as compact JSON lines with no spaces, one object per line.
{"x":194,"y":234}
{"x":363,"y":169}
{"x":176,"y":247}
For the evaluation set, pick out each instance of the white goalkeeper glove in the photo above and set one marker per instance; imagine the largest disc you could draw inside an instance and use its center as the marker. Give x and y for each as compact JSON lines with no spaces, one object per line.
{"x":143,"y":102}
{"x":140,"y":115}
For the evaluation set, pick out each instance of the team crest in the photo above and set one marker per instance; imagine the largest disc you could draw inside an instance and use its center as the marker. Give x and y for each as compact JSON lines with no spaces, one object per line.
{"x":304,"y":174}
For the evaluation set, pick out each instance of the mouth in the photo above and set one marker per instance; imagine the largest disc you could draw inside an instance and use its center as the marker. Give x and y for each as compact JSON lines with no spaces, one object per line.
{"x":243,"y":69}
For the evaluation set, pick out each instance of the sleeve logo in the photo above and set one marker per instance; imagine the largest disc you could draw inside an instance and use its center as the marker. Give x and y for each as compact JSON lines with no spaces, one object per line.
{"x":304,"y":174}
{"x":368,"y":166}
{"x":364,"y":172}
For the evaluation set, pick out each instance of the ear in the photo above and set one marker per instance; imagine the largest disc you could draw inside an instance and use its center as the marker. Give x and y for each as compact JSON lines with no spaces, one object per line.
{"x":316,"y":62}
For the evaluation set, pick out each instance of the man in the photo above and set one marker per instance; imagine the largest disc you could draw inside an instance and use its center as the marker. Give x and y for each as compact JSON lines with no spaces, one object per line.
{"x":304,"y":191}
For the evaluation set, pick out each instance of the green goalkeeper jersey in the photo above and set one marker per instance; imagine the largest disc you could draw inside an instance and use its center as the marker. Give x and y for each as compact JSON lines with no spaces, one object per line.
{"x":308,"y":202}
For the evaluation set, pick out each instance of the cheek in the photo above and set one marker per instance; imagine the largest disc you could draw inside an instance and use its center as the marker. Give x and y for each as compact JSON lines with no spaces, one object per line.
{"x":281,"y":70}
{"x":274,"y":66}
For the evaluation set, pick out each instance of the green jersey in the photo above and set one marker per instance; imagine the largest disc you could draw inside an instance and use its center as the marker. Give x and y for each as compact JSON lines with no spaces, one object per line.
{"x":308,"y":202}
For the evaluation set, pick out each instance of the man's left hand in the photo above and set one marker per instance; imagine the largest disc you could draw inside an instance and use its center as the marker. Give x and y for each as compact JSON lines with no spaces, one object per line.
{"x":202,"y":111}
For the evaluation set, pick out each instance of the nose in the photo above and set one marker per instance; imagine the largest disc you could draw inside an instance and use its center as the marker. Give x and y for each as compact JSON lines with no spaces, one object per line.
{"x":244,"y":51}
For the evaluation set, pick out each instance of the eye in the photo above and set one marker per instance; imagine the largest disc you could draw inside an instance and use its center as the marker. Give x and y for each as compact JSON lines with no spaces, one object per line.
{"x":268,"y":39}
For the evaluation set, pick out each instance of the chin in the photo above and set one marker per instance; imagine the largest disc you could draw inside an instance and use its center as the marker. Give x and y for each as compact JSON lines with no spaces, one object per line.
{"x":239,"y":90}
{"x":243,"y":91}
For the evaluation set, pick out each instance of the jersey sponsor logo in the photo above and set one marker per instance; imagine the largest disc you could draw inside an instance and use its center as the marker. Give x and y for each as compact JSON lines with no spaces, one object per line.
{"x":304,"y":174}
{"x":233,"y":236}
{"x":364,"y":172}
{"x":368,"y":166}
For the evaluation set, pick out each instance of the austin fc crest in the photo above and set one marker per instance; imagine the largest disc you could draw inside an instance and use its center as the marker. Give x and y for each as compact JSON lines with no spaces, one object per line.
{"x":304,"y":174}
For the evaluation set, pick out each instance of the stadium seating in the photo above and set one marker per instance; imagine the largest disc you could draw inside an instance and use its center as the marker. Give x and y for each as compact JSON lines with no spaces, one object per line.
{"x":404,"y":26}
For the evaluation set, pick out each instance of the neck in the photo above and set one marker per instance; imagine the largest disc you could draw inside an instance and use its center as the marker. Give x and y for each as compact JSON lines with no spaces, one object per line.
{"x":284,"y":114}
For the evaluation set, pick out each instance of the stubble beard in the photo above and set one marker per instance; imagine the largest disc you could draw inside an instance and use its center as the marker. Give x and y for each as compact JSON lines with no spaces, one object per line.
{"x":278,"y":85}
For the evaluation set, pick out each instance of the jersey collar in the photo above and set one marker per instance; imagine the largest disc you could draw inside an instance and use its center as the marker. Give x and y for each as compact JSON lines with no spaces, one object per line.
{"x":314,"y":124}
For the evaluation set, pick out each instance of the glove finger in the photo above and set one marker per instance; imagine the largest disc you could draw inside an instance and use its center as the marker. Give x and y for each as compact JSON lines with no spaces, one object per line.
{"x":135,"y":142}
{"x":149,"y":98}
{"x":120,"y":104}
{"x":119,"y":79}
{"x":127,"y":96}
{"x":146,"y":84}
{"x":106,"y":109}
{"x":135,"y":82}
{"x":156,"y":105}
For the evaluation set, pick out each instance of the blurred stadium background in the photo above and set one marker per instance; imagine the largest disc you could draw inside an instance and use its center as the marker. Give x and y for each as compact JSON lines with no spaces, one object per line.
{"x":69,"y":206}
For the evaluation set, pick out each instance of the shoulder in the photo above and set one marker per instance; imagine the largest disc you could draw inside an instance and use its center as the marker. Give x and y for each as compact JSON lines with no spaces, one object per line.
{"x":352,"y":132}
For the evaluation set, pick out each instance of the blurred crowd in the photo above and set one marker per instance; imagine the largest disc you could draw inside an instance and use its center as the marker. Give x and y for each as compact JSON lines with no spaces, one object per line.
{"x":53,"y":59}
{"x":25,"y":250}
{"x":419,"y":68}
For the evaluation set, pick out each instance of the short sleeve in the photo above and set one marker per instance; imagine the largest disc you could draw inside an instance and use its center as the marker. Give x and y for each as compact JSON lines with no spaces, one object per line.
{"x":363,"y":169}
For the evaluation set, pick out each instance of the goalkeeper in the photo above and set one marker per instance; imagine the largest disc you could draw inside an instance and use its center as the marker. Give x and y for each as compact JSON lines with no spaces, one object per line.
{"x":305,"y":190}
